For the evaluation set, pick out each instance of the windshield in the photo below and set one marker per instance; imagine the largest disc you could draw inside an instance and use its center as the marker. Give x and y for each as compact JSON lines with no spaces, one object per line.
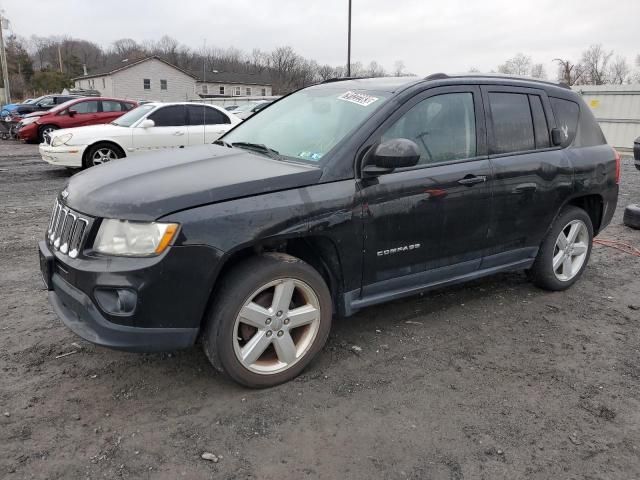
{"x":307,"y":124}
{"x":133,"y":116}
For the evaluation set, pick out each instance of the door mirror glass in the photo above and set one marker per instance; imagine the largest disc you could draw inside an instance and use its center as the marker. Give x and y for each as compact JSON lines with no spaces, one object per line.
{"x":147,"y":123}
{"x":557,"y":137}
{"x":395,"y":153}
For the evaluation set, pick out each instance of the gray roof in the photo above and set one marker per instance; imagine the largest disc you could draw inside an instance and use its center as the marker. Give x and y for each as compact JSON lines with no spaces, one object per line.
{"x":262,"y":78}
{"x":220,"y":77}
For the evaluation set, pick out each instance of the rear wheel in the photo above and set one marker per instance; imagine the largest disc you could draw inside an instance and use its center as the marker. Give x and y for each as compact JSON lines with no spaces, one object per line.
{"x":268,"y":321}
{"x":565,"y":252}
{"x":102,"y":153}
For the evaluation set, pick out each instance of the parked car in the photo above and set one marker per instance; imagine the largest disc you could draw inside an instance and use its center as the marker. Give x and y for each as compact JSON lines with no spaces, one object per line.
{"x":244,"y":111}
{"x":152,"y":126}
{"x":46,"y":102}
{"x":231,"y":108}
{"x":338,"y":197}
{"x":78,"y":112}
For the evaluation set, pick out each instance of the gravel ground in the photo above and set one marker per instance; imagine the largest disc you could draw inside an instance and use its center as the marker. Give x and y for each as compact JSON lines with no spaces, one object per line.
{"x":493,"y":379}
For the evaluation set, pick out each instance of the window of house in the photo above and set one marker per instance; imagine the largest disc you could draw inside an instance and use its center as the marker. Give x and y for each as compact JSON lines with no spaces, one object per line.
{"x":163,"y":84}
{"x":248,"y":91}
{"x":443,"y":127}
{"x":170,"y":116}
{"x":222,"y":90}
{"x":112,"y":106}
{"x":205,"y":89}
{"x":264,"y":92}
{"x":512,"y":122}
{"x":236,"y":91}
{"x":566,"y":113}
{"x":146,"y":83}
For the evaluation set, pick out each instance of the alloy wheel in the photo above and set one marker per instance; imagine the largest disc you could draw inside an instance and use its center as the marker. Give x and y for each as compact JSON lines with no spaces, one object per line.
{"x":103,"y":155}
{"x":276,"y":326}
{"x":570,"y":251}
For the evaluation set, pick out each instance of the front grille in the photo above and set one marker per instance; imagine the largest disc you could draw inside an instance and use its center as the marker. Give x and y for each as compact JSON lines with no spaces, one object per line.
{"x":67,"y":230}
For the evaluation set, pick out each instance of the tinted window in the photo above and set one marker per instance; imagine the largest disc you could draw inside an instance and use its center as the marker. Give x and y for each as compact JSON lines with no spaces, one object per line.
{"x":45,"y":102}
{"x":443,"y":127}
{"x":202,"y":115}
{"x":171,"y":116}
{"x":566,"y":113}
{"x":512,"y":123}
{"x":541,"y":130}
{"x":85,"y":107}
{"x":111,"y":106}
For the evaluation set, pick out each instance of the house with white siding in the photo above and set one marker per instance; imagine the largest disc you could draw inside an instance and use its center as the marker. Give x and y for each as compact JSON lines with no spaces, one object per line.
{"x":155,"y":79}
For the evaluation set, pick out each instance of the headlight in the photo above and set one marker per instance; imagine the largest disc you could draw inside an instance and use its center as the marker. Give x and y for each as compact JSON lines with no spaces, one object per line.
{"x":134,"y":239}
{"x":61,"y":140}
{"x":28,"y":120}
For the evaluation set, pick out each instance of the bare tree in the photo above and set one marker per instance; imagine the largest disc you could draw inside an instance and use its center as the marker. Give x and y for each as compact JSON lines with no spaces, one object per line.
{"x":538,"y":71}
{"x":398,"y":68}
{"x":595,"y":61}
{"x":569,"y":72}
{"x":374,"y":69}
{"x":473,"y":70}
{"x":619,"y":71}
{"x":518,"y":65}
{"x":325,"y":72}
{"x":125,"y":48}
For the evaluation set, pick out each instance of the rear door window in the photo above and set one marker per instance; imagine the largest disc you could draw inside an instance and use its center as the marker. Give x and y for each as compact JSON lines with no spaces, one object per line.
{"x":111,"y":106}
{"x":85,"y":107}
{"x":540,"y":127}
{"x":512,"y":122}
{"x":170,"y":116}
{"x":566,"y":113}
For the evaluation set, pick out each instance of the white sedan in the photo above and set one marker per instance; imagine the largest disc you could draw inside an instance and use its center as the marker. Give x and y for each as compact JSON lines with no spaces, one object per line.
{"x":149,"y":127}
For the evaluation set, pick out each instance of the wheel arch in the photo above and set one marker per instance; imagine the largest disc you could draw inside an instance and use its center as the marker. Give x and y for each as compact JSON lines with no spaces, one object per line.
{"x":593,"y":204}
{"x":98,"y":142}
{"x":318,"y":251}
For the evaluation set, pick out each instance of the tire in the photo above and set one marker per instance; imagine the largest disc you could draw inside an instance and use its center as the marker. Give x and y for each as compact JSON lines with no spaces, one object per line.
{"x":44,"y":130}
{"x":286,"y":350}
{"x":631,"y":216}
{"x":101,"y":153}
{"x":570,"y":262}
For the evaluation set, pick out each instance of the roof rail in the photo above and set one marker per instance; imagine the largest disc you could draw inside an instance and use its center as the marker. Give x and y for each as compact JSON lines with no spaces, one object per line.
{"x":442,"y":76}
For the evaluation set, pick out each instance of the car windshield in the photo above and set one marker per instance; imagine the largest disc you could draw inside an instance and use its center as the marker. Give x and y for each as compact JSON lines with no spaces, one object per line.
{"x":307,"y":124}
{"x":133,"y":116}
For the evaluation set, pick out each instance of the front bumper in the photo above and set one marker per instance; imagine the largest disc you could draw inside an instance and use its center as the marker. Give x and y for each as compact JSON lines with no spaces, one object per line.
{"x":172,"y":292}
{"x":29,"y":132}
{"x":63,"y":155}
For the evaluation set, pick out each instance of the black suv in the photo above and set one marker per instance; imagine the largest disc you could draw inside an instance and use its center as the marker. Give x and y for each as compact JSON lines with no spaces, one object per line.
{"x":337,"y":197}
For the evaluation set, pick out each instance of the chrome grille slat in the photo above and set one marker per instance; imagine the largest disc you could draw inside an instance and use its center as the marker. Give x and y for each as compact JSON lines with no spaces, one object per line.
{"x":67,"y":230}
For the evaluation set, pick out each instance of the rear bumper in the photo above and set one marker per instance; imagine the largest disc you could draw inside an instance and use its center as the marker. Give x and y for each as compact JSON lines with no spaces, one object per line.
{"x":78,"y":312}
{"x":64,"y":156}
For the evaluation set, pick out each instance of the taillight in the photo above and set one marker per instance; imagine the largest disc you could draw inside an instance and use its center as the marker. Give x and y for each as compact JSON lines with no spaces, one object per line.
{"x":618,"y":165}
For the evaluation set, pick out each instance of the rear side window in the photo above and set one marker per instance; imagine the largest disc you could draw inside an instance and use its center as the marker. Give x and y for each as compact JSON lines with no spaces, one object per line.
{"x":202,"y":115}
{"x":566,"y":113}
{"x":171,"y":116}
{"x":111,"y":106}
{"x":540,"y":127}
{"x":512,"y":122}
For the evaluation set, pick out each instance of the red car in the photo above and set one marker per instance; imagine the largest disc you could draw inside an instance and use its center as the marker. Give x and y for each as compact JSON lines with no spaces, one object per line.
{"x":74,"y":113}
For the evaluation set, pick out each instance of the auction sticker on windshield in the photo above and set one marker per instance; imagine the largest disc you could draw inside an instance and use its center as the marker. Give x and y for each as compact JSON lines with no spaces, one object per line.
{"x":358,"y":98}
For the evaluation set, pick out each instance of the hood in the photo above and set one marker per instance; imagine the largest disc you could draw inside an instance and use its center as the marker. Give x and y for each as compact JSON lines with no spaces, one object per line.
{"x":36,"y":114}
{"x":150,"y":186}
{"x":90,"y":131}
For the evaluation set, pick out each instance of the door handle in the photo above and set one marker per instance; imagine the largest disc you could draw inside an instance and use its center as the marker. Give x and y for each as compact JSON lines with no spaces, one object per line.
{"x":525,"y":187}
{"x":178,"y":133}
{"x":472,"y":180}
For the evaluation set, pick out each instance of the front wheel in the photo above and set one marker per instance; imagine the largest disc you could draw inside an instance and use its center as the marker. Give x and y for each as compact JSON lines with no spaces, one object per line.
{"x":44,"y":134}
{"x":102,"y":153}
{"x":268,"y":321}
{"x":565,"y":252}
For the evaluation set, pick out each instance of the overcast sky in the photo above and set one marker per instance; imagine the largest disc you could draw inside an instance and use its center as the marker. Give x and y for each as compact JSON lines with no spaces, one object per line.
{"x":429,"y":36}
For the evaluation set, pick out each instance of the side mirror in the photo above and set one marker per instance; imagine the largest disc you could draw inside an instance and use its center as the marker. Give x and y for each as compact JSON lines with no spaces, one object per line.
{"x":392,"y":154}
{"x":556,"y":137}
{"x":147,"y":123}
{"x":72,"y":112}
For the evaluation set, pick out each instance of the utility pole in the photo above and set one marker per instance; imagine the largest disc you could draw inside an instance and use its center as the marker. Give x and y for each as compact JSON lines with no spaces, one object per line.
{"x":3,"y":54}
{"x":349,"y":44}
{"x":60,"y":58}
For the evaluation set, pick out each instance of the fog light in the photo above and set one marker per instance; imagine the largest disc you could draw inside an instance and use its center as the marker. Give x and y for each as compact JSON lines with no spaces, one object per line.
{"x":116,"y":301}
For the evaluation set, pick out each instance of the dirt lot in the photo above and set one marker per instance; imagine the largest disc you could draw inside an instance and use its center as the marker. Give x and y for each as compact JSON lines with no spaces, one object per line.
{"x":495,"y":379}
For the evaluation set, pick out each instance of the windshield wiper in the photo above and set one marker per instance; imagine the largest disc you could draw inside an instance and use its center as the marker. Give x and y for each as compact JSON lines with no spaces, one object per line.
{"x":223,"y":143}
{"x":258,"y":147}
